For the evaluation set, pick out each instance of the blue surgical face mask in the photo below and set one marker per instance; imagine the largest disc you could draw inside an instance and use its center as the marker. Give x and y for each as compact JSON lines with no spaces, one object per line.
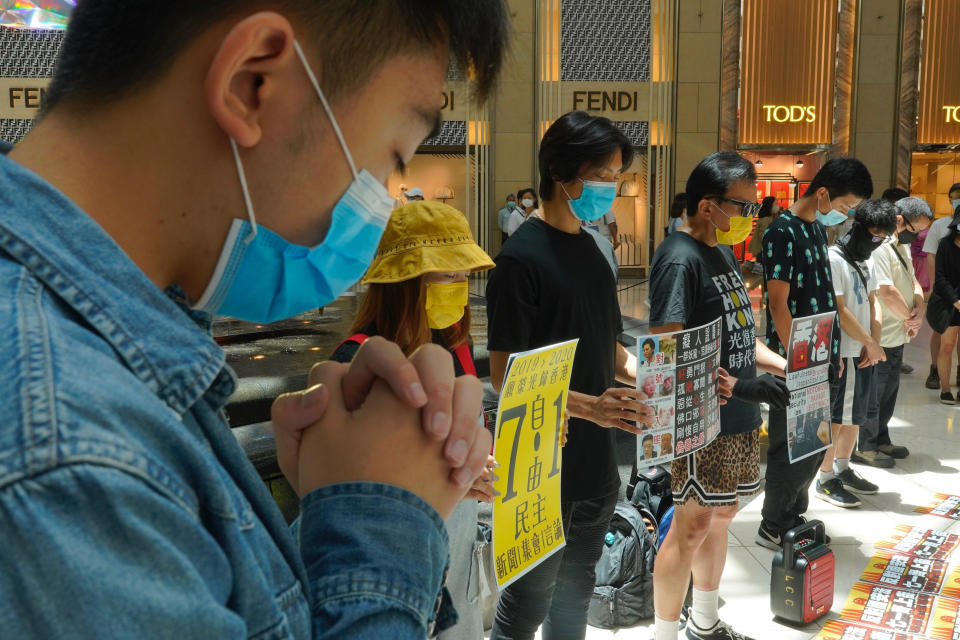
{"x":833,"y":217}
{"x":262,"y":277}
{"x":594,"y":201}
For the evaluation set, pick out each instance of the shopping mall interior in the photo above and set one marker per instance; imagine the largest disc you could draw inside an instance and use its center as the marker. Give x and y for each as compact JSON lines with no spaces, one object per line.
{"x":789,"y":85}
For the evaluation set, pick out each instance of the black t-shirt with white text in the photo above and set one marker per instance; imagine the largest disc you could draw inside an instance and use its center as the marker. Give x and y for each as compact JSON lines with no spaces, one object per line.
{"x":548,"y":287}
{"x":694,"y":284}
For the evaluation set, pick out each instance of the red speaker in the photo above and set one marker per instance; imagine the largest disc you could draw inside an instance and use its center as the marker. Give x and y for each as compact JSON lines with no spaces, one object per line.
{"x":801,"y":579}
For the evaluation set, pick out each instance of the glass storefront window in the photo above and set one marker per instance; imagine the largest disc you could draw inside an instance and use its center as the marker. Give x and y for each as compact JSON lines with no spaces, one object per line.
{"x":931,"y":176}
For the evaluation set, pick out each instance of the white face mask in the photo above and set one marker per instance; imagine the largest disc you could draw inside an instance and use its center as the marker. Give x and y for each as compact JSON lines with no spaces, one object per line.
{"x":527,"y":202}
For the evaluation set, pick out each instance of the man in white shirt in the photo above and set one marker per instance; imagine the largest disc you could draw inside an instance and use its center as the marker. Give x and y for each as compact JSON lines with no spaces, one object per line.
{"x":607,"y":227}
{"x":938,"y":231}
{"x":855,"y":287}
{"x":902,"y":307}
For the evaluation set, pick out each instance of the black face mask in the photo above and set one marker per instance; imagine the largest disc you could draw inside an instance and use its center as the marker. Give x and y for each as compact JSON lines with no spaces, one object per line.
{"x":906,"y":236}
{"x":858,"y":242}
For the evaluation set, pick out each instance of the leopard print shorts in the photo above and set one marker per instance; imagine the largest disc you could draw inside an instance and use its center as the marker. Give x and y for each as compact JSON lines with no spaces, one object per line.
{"x":718,"y":474}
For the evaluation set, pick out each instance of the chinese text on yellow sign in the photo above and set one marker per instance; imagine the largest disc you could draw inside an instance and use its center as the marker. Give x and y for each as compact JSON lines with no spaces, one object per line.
{"x":527,"y":525}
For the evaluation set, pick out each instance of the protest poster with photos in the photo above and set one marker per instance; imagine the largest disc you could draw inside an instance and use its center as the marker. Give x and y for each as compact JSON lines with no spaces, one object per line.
{"x":921,"y":542}
{"x":808,"y":370}
{"x":943,"y":505}
{"x":527,"y":525}
{"x":678,"y":373}
{"x":925,"y":575}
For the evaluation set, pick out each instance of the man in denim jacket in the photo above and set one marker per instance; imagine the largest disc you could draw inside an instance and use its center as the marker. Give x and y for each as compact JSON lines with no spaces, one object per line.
{"x":127,"y":509}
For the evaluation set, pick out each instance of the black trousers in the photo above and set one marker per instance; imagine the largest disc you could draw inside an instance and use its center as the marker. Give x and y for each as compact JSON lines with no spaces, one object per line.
{"x":786,"y":496}
{"x":557,"y":592}
{"x":888,"y":381}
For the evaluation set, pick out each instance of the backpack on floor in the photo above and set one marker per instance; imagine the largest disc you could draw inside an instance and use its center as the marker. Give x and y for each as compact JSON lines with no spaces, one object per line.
{"x":623,"y":594}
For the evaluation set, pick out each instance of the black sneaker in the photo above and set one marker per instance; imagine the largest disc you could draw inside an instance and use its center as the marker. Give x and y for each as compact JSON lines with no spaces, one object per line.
{"x":720,"y":631}
{"x":853,"y":481}
{"x":947,"y":398}
{"x":933,"y":380}
{"x":894,"y":451}
{"x":833,"y":492}
{"x":769,"y":539}
{"x":905,"y":368}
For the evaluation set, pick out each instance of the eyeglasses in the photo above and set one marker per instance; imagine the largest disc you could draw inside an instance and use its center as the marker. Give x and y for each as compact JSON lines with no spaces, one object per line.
{"x":747,"y":209}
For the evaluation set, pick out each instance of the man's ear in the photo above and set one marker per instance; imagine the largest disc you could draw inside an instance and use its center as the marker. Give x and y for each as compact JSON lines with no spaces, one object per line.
{"x":244,"y":72}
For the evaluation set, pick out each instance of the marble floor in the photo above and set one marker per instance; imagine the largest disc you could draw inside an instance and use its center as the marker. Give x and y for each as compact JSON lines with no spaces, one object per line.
{"x":932,"y":433}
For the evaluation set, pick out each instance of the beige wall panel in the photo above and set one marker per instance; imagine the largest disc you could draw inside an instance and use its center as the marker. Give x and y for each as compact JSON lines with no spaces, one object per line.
{"x":876,"y":151}
{"x":699,"y":55}
{"x":688,"y":106}
{"x":521,"y":15}
{"x":709,"y":108}
{"x":515,"y":108}
{"x":520,"y":61}
{"x":879,"y":17}
{"x":691,"y":149}
{"x":878,"y":59}
{"x":700,"y":16}
{"x":513,"y":153}
{"x":876,"y":108}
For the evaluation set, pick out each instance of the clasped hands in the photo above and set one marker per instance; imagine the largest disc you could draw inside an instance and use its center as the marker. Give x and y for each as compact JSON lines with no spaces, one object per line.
{"x":386,"y":418}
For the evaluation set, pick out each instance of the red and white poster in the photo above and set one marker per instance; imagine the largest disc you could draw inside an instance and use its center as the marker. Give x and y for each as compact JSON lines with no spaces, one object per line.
{"x":943,"y":505}
{"x":843,"y":630}
{"x":925,"y":575}
{"x":922,"y":543}
{"x":891,"y":609}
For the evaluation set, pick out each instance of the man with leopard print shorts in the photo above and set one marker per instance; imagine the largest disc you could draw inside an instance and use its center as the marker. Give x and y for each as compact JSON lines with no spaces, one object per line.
{"x":695,"y":280}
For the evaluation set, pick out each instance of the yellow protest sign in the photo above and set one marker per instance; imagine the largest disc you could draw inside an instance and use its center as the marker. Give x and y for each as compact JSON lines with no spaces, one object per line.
{"x":527,"y":525}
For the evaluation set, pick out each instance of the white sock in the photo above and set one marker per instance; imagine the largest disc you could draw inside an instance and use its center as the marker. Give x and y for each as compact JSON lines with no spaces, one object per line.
{"x":827,"y":476}
{"x":665,"y":629}
{"x":704,"y":611}
{"x":840,"y":465}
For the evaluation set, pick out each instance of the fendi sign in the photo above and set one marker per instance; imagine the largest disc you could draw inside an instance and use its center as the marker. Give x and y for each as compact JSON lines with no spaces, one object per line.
{"x":22,"y":98}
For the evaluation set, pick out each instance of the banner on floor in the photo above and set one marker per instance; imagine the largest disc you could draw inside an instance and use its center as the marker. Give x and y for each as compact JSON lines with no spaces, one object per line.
{"x":843,"y":630}
{"x":943,"y":505}
{"x":678,"y":373}
{"x":527,"y":524}
{"x":925,"y":575}
{"x":901,"y":611}
{"x":921,"y":542}
{"x":808,"y":371}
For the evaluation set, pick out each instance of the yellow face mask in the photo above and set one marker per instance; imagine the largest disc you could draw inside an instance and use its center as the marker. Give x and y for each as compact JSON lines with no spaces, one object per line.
{"x":445,"y":303}
{"x":740,"y":228}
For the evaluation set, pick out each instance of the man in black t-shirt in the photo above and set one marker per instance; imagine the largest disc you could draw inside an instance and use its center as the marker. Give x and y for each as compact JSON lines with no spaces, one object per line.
{"x":552,"y":284}
{"x":799,"y":283}
{"x":694,"y":280}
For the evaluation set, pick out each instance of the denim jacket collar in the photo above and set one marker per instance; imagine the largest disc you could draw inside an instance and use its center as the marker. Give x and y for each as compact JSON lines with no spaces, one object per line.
{"x":158,"y":338}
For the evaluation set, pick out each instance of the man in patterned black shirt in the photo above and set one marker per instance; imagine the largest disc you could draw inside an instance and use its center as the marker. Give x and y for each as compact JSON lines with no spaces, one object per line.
{"x":798,"y":284}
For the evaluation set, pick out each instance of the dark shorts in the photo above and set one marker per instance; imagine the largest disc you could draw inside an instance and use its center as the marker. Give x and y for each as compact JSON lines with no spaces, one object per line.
{"x":861,"y":405}
{"x":721,"y":472}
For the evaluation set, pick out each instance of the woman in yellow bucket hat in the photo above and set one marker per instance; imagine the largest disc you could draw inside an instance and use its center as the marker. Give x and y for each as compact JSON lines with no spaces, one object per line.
{"x":418,"y":293}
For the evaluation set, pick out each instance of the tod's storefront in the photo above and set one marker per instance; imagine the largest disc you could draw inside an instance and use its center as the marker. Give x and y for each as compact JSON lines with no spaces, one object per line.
{"x":788,"y":84}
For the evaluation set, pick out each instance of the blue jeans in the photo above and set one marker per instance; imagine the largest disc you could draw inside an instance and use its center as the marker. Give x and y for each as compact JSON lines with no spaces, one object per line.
{"x":557,"y":593}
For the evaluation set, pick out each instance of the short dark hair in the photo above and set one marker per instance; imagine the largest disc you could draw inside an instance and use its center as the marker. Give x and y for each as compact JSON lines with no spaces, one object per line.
{"x":646,"y":438}
{"x":576,"y":139}
{"x":715,"y":175}
{"x":115,"y":48}
{"x":648,"y":341}
{"x":532,"y":192}
{"x":842,"y":177}
{"x":679,"y":205}
{"x":894,"y":193}
{"x":877,"y":213}
{"x":913,"y":208}
{"x":766,"y":207}
{"x":955,"y":187}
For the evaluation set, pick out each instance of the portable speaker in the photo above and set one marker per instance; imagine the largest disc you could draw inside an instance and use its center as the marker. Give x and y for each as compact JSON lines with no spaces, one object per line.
{"x":801,"y":578}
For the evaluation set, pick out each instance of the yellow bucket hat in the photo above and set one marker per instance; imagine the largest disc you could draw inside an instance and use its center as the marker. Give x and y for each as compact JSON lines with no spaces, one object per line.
{"x":424,"y":237}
